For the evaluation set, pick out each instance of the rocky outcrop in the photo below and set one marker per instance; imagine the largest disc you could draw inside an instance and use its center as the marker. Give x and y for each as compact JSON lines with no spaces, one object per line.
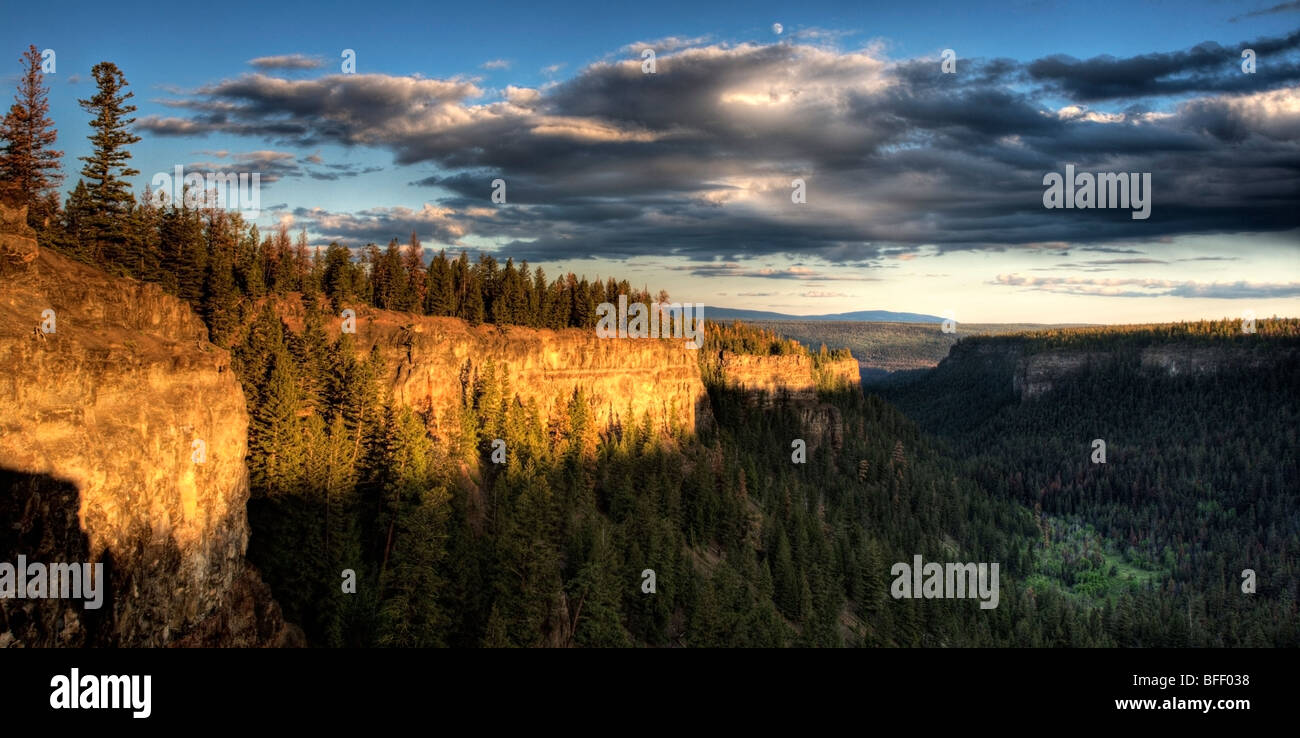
{"x":841,"y":373}
{"x":794,"y":379}
{"x":792,"y":376}
{"x":122,"y":441}
{"x":1035,"y":373}
{"x":1176,"y":361}
{"x":427,"y":359}
{"x":770,"y":376}
{"x":17,"y":242}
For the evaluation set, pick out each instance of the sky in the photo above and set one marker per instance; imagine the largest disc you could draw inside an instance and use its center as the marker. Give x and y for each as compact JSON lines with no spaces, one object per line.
{"x":921,"y":190}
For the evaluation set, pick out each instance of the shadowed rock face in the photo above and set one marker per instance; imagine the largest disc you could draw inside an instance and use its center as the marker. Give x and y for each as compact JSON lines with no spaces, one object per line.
{"x":1034,"y":374}
{"x":101,"y":416}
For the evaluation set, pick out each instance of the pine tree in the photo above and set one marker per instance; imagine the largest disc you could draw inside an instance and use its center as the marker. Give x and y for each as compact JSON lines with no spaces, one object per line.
{"x":539,"y":304}
{"x":473,"y":309}
{"x":27,"y":161}
{"x":485,"y":276}
{"x":220,"y":296}
{"x":275,"y":433}
{"x":411,"y":616}
{"x":146,"y":244}
{"x":185,"y":255}
{"x":439,"y":294}
{"x":109,"y":198}
{"x":338,"y":281}
{"x":302,"y":264}
{"x":386,"y":274}
{"x":310,"y":348}
{"x":413,"y":267}
{"x":76,"y":221}
{"x":248,"y":264}
{"x":281,"y":270}
{"x":584,"y":310}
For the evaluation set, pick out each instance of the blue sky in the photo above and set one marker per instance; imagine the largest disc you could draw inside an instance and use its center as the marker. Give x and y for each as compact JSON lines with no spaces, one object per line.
{"x":923,"y":190}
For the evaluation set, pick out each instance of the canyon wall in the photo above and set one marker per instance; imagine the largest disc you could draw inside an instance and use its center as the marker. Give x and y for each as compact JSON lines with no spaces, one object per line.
{"x":122,"y":441}
{"x":427,"y":358}
{"x":123,"y":436}
{"x":791,"y":375}
{"x":794,"y":379}
{"x":1035,"y":373}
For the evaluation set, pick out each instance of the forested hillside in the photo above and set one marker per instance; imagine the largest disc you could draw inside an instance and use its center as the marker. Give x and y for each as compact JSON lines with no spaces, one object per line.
{"x":1200,"y":479}
{"x":748,"y":548}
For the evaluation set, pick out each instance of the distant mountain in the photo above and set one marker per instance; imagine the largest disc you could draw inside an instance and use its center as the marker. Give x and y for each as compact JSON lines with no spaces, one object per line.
{"x":866,"y":316}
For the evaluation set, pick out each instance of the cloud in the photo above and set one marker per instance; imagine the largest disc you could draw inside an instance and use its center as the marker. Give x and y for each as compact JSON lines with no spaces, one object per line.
{"x":665,"y":45}
{"x":798,"y":273}
{"x":272,"y":166}
{"x":379,"y":225}
{"x":1105,"y":262}
{"x":1109,"y":250}
{"x":286,"y":61}
{"x":496,"y":64}
{"x":1137,"y":287}
{"x":1097,"y":265}
{"x":1204,"y":68}
{"x":1290,"y":7}
{"x":697,"y":160}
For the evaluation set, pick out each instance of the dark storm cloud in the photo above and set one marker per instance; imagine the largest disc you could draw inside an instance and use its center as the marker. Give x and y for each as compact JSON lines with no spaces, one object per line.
{"x":699,"y":160}
{"x":1207,"y":67}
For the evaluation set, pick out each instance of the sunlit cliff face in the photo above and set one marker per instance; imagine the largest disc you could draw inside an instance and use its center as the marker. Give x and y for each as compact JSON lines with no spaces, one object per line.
{"x":126,"y":401}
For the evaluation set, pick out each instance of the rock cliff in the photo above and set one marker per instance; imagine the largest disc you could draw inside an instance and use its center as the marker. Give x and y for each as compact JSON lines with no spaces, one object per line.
{"x":426,"y":358}
{"x":122,"y":441}
{"x":1036,"y":373}
{"x":791,"y":375}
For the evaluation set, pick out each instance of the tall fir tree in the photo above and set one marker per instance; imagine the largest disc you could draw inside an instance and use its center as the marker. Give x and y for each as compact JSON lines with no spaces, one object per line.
{"x":28,"y":161}
{"x":439,"y":294}
{"x":413,"y":266}
{"x":276,"y":440}
{"x":106,"y":168}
